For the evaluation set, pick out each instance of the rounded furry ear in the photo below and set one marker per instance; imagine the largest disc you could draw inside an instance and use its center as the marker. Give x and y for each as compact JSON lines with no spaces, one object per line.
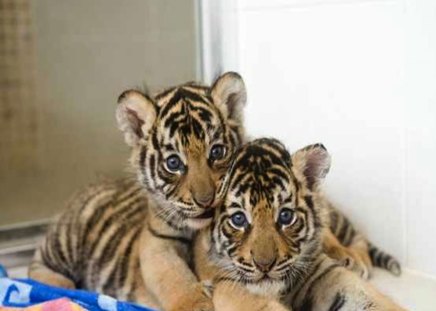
{"x":135,"y":115}
{"x":229,"y":94}
{"x":312,"y":163}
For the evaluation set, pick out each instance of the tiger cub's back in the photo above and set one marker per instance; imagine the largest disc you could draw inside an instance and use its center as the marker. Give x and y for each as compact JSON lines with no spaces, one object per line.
{"x":95,"y":241}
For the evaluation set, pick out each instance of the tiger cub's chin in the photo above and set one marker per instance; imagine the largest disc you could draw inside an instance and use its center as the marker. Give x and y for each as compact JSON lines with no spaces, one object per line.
{"x":198,"y":223}
{"x":267,"y":287}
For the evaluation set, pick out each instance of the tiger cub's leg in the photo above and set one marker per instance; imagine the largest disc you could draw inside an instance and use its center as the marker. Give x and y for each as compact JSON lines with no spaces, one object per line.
{"x":41,"y":273}
{"x":354,"y":257}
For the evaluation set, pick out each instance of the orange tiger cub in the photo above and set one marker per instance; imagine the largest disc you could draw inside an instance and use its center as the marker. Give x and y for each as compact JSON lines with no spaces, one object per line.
{"x":130,"y":239}
{"x":263,"y":249}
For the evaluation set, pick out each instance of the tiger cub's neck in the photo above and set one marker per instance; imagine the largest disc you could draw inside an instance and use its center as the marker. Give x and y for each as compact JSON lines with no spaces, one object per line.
{"x":162,"y":221}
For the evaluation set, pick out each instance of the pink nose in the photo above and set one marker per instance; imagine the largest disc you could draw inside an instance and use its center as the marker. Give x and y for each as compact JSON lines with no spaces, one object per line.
{"x":205,"y":200}
{"x":264,"y":264}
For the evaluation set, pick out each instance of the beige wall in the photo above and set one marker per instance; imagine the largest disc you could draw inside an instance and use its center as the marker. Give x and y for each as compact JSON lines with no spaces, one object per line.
{"x":87,"y":52}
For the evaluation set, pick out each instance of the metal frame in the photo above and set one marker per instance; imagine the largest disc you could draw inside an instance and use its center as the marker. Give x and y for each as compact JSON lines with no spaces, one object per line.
{"x":217,"y":48}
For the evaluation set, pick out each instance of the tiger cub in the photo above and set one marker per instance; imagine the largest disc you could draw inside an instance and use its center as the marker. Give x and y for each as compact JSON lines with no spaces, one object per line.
{"x":130,"y":239}
{"x":263,"y":250}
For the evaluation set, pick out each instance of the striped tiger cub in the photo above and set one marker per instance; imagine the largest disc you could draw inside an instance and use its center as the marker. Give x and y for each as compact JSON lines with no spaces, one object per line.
{"x":130,"y":239}
{"x":263,"y":250}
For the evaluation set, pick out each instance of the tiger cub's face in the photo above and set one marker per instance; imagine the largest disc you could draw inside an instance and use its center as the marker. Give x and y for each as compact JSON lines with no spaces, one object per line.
{"x":268,"y":228}
{"x":182,"y":141}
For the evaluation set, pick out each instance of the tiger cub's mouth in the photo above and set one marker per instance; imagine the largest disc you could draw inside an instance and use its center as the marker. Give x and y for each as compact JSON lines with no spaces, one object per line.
{"x":206,"y":214}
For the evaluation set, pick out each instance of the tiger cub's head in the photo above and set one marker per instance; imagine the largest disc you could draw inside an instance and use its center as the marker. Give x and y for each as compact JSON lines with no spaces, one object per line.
{"x":268,"y":228}
{"x":182,"y":142}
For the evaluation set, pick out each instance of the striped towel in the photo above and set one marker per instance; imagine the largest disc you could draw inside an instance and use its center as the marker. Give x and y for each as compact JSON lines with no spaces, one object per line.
{"x":62,"y":304}
{"x":27,"y":294}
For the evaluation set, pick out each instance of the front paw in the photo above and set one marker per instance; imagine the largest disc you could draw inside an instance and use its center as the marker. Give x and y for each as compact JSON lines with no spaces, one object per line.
{"x":197,"y":300}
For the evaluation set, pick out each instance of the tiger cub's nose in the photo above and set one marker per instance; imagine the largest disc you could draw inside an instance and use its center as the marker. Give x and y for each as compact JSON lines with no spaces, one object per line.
{"x":204,"y":200}
{"x":264,"y":264}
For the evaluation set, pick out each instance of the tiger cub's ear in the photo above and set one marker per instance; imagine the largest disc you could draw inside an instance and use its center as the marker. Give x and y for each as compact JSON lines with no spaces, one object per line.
{"x":312,"y":163}
{"x":229,"y":94}
{"x":135,"y":114}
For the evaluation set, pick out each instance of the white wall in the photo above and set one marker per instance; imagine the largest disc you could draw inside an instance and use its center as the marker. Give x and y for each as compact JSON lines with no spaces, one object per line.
{"x":359,"y":76}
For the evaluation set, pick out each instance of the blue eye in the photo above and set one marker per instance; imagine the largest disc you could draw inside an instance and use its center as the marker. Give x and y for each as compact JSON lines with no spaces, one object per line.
{"x":286,"y":217}
{"x":174,"y":164}
{"x":217,"y":152}
{"x":239,"y":220}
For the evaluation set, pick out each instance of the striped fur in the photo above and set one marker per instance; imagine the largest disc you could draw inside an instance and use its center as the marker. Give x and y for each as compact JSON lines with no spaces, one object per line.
{"x":130,"y":239}
{"x":266,"y":260}
{"x":105,"y":219}
{"x":186,"y":120}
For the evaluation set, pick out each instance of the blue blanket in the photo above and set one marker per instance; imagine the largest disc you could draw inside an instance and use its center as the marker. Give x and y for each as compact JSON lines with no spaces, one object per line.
{"x":25,"y":292}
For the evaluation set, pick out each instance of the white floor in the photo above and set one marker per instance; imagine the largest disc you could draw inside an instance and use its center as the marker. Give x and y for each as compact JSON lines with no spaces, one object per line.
{"x":412,"y":290}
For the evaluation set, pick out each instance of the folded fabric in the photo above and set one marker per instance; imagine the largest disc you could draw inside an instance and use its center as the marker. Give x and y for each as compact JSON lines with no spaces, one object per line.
{"x":3,"y":272}
{"x":62,"y":304}
{"x":24,"y":293}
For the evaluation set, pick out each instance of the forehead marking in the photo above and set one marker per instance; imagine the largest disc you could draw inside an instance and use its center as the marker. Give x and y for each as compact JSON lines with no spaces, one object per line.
{"x":259,"y":171}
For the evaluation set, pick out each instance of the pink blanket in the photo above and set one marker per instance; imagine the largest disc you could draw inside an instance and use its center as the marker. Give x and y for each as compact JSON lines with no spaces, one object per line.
{"x":62,"y":304}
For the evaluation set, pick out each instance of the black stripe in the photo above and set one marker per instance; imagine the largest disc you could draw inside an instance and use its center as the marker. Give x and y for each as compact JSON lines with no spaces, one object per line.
{"x":169,"y":237}
{"x":142,"y":156}
{"x":338,"y":303}
{"x":57,"y":262}
{"x":307,"y":304}
{"x":164,"y":93}
{"x":385,"y":260}
{"x":111,"y":246}
{"x":109,"y":287}
{"x":154,"y":141}
{"x":171,"y":103}
{"x":309,"y":203}
{"x":70,"y":247}
{"x":343,"y":230}
{"x":126,"y":258}
{"x":152,"y":168}
{"x":349,"y":237}
{"x":333,"y":220}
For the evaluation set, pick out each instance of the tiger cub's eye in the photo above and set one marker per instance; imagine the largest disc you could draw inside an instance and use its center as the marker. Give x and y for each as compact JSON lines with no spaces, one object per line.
{"x":239,"y":220}
{"x":286,"y":217}
{"x":174,"y":164}
{"x":217,"y":152}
